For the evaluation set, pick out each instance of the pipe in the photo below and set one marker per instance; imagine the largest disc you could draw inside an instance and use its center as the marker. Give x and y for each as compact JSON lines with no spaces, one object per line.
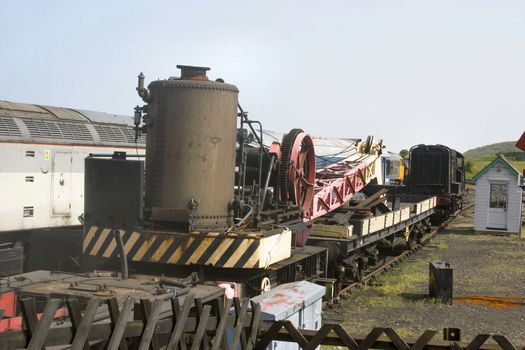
{"x":244,"y":116}
{"x":142,"y":91}
{"x":261,"y":150}
{"x":182,"y":288}
{"x":172,"y":282}
{"x":245,"y":216}
{"x":267,"y":180}
{"x":122,"y":254}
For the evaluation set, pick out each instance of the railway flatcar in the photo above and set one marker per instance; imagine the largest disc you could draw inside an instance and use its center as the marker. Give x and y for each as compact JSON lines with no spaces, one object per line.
{"x":437,"y":170}
{"x":42,"y":178}
{"x":220,"y":200}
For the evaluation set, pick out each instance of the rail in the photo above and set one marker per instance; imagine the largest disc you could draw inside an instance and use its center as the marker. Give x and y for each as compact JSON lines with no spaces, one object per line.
{"x":385,"y":267}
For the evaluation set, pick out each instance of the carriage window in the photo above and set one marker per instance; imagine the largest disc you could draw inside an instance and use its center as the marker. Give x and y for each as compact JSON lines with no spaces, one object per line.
{"x":498,"y":196}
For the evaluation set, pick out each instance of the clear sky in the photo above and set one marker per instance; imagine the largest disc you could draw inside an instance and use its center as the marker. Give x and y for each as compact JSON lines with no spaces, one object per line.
{"x":415,"y":71}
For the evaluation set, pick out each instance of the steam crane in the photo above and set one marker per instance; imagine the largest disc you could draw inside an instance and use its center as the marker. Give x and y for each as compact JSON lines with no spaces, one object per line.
{"x":214,"y":199}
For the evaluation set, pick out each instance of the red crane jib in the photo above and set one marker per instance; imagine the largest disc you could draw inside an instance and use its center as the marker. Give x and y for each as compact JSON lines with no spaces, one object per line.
{"x":335,"y":186}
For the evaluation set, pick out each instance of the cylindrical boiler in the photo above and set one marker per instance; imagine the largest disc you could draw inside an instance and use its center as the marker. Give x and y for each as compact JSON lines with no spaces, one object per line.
{"x":190,"y":162}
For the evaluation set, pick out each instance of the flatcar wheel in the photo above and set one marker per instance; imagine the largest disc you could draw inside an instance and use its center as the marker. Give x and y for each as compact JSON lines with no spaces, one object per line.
{"x":362,"y":266}
{"x":428,"y":226}
{"x":358,"y":273}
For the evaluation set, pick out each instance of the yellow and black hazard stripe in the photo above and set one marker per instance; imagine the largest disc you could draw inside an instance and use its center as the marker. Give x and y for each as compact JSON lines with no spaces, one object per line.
{"x":219,"y":250}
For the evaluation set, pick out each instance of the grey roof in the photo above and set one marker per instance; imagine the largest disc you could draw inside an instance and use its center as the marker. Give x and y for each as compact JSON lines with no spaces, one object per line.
{"x":26,"y":110}
{"x":102,"y":117}
{"x":38,"y":123}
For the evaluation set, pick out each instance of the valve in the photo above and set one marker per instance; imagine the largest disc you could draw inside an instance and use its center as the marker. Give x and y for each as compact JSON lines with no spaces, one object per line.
{"x":138,"y":117}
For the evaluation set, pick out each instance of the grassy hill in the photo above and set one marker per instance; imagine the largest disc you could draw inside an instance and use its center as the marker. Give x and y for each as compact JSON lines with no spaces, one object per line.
{"x":495,"y":148}
{"x":481,"y":156}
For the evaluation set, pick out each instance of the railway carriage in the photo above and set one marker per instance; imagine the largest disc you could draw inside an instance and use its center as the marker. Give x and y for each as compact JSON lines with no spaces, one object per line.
{"x":42,"y":177}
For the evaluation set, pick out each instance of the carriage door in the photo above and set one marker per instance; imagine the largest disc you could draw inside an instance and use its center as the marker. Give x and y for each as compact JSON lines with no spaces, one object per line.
{"x":497,"y":213}
{"x":61,"y":185}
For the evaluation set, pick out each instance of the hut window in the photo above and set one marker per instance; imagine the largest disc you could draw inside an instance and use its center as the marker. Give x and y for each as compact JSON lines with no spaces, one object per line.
{"x":498,"y":196}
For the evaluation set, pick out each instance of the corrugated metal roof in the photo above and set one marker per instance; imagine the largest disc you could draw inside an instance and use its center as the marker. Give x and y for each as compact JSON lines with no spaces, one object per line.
{"x":9,"y":128}
{"x":58,"y":130}
{"x":65,"y":125}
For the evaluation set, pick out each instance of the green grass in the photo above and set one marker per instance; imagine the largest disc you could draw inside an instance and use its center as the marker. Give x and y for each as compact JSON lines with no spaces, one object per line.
{"x":480,"y":162}
{"x":440,"y":243}
{"x":402,"y":280}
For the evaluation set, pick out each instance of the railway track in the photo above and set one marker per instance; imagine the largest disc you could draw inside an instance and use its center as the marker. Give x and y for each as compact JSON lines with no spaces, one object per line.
{"x":397,"y":259}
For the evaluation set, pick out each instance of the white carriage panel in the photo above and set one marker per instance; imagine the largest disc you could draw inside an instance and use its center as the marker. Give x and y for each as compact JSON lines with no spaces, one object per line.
{"x":26,"y":182}
{"x":397,"y":216}
{"x":389,"y":219}
{"x":24,"y":187}
{"x":405,"y":214}
{"x":418,"y":208}
{"x":377,"y":223}
{"x":425,"y":205}
{"x":365,"y":227}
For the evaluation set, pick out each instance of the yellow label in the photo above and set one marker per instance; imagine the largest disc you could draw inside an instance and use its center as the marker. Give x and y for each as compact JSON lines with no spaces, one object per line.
{"x":46,"y":155}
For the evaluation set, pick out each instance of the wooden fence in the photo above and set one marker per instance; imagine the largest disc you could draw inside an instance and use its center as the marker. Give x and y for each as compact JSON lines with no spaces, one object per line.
{"x":163,"y":323}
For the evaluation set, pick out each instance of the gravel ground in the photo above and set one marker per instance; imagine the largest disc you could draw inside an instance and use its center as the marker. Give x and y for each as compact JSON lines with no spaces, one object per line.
{"x":484,"y":266}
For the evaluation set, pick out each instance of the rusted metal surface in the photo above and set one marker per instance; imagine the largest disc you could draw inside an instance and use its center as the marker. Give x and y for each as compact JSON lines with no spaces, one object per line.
{"x":493,"y":301}
{"x":191,"y":134}
{"x":184,"y":325}
{"x":101,"y":286}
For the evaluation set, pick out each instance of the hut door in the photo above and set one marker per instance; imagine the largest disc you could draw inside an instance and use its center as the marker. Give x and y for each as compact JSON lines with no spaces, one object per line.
{"x":498,"y":200}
